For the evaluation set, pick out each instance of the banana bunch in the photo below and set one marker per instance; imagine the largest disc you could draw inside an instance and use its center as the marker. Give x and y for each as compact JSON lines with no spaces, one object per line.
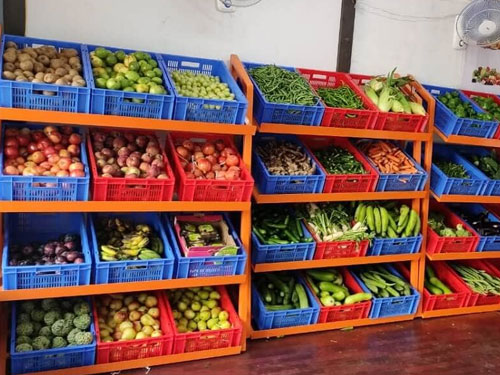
{"x":120,"y":240}
{"x":388,"y":220}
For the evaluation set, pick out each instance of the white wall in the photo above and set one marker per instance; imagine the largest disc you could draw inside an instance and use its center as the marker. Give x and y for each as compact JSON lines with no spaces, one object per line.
{"x":288,"y":32}
{"x":414,"y":35}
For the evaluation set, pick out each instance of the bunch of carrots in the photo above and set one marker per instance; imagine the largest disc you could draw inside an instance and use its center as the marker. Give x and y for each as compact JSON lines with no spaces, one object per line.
{"x":388,"y":158}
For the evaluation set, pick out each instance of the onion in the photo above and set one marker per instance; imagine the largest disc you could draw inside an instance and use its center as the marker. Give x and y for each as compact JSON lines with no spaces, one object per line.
{"x":129,"y":137}
{"x":221,"y":175}
{"x":98,"y":146}
{"x":199,"y":155}
{"x":146,"y":157}
{"x":220,"y":145}
{"x":162,"y":176}
{"x":74,"y":150}
{"x":124,"y":151}
{"x":188,"y":145}
{"x":49,"y":129}
{"x":204,"y":165}
{"x":210,"y":175}
{"x":183,"y":152}
{"x":62,"y":173}
{"x":208,"y":148}
{"x":121,"y":161}
{"x":53,"y":158}
{"x":232,"y":175}
{"x":153,"y":172}
{"x":11,"y":170}
{"x":37,"y":156}
{"x":144,"y":166}
{"x":75,"y":139}
{"x":64,"y":153}
{"x":197,"y":172}
{"x":132,"y":147}
{"x":232,"y":160}
{"x":31,"y":147}
{"x":107,"y":152}
{"x":64,"y":163}
{"x":77,"y":173}
{"x":153,"y":150}
{"x":133,"y":161}
{"x":158,"y":163}
{"x":78,"y":260}
{"x":118,"y":143}
{"x":55,"y":137}
{"x":77,"y":166}
{"x":141,"y":141}
{"x":11,"y":141}
{"x":212,"y":159}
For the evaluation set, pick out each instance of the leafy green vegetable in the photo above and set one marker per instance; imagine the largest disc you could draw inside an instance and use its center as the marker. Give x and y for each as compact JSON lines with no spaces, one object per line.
{"x":487,"y":164}
{"x":437,"y":223}
{"x":451,"y":169}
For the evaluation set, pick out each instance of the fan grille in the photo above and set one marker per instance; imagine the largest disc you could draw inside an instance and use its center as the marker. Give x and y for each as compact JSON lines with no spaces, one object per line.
{"x":479,"y":22}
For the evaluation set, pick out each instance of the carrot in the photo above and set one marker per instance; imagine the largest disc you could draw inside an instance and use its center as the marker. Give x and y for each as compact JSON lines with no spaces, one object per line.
{"x":393,"y":158}
{"x":388,"y":158}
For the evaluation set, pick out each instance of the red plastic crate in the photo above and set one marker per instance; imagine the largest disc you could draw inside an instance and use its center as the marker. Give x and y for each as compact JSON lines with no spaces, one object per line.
{"x":118,"y":351}
{"x":495,"y":98}
{"x":479,"y":299}
{"x":208,"y":190}
{"x":207,"y":340}
{"x":342,"y":117}
{"x":358,"y":310}
{"x":338,"y":249}
{"x":437,"y":244}
{"x":403,"y":122}
{"x":130,"y":189}
{"x":459,"y":297}
{"x":346,"y":183}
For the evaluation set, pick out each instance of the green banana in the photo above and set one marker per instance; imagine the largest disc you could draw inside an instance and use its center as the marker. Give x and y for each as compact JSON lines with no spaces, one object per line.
{"x":157,"y":245}
{"x":378,"y":220}
{"x":385,"y":219}
{"x":370,"y":219}
{"x":403,"y":215}
{"x":412,"y":221}
{"x":148,"y":254}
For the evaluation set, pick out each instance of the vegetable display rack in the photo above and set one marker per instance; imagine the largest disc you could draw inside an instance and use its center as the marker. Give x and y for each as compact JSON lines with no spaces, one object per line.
{"x":55,"y":291}
{"x":418,"y":200}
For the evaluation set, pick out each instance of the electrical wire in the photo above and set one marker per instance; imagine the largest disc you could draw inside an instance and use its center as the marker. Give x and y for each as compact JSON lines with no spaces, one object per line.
{"x":229,"y":3}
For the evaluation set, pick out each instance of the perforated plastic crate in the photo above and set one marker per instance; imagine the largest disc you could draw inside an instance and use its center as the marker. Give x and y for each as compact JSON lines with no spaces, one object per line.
{"x":208,"y":190}
{"x":343,"y":183}
{"x":265,"y":319}
{"x":486,"y":243}
{"x":15,"y":94}
{"x":200,"y":109}
{"x":401,"y":181}
{"x":263,"y":253}
{"x":342,"y":117}
{"x":390,"y":246}
{"x":36,"y":228}
{"x":285,"y":184}
{"x":49,"y":359}
{"x":492,"y":187}
{"x":132,"y":270}
{"x":207,"y":340}
{"x":472,"y":94}
{"x":391,"y":306}
{"x":130,"y":189}
{"x":442,"y":184}
{"x":119,"y":103}
{"x":437,"y":244}
{"x":265,"y":111}
{"x":118,"y":351}
{"x":460,"y":293}
{"x":44,"y":188}
{"x":186,"y":267}
{"x":403,"y":122}
{"x":449,"y":123}
{"x":359,"y":310}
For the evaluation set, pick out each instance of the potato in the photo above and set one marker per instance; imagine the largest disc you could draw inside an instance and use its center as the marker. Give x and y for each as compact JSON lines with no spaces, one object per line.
{"x":68,"y":77}
{"x":40,"y":76}
{"x":61,"y":81}
{"x":9,"y":67}
{"x":67,"y":66}
{"x":51,"y":52}
{"x":37,"y":80}
{"x":24,"y":57}
{"x":38,"y":67}
{"x":73,"y":72}
{"x":74,"y":60}
{"x":77,"y":67}
{"x":43,"y":59}
{"x":28,"y":74}
{"x":9,"y":57}
{"x":49,"y":78}
{"x":30,"y":79}
{"x":12,"y":50}
{"x":77,"y":77}
{"x":26,"y":65}
{"x":49,"y":70}
{"x":79,"y":83}
{"x":11,"y":44}
{"x":30,"y":51}
{"x":8,"y":75}
{"x":56,"y":63}
{"x":21,"y":79}
{"x":61,"y":72}
{"x":18,"y":72}
{"x":64,"y":59}
{"x":69,"y":52}
{"x":17,"y":64}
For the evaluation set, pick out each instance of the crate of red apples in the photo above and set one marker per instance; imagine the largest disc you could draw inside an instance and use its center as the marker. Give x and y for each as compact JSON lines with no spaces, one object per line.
{"x":209,"y":168}
{"x":129,"y":166}
{"x":43,"y":163}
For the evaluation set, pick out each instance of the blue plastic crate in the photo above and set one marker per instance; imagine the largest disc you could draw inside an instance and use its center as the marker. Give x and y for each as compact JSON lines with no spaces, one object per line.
{"x":442,"y":184}
{"x":390,"y":306}
{"x":449,"y":123}
{"x":262,"y":253}
{"x":265,"y":319}
{"x":265,"y":111}
{"x":187,"y":267}
{"x":44,"y":188}
{"x":119,"y":103}
{"x":14,"y":94}
{"x":29,"y":228}
{"x":49,"y":359}
{"x":207,"y":110}
{"x":400,"y":182}
{"x":275,"y":184}
{"x":486,"y":243}
{"x":132,"y":270}
{"x":390,"y":246}
{"x":492,"y":186}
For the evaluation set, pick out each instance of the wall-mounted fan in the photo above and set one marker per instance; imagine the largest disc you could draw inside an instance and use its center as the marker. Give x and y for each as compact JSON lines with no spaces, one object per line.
{"x":231,"y":5}
{"x":478,"y":24}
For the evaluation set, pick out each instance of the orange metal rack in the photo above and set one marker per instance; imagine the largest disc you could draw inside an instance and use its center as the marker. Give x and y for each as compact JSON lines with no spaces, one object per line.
{"x":420,"y":202}
{"x":242,"y":281}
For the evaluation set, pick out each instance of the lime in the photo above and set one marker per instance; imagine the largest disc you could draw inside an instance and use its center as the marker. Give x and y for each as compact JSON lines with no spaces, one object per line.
{"x":120,"y":55}
{"x":113,"y":84}
{"x":140,"y":55}
{"x":125,"y":83}
{"x":145,"y":67}
{"x":129,"y":59}
{"x":133,"y":66}
{"x":153,"y":63}
{"x":101,"y":82}
{"x":132,"y":76}
{"x":150,"y":74}
{"x":144,"y":80}
{"x":157,"y":90}
{"x":101,"y":52}
{"x":128,"y":89}
{"x":111,"y":60}
{"x":157,"y":72}
{"x":157,"y":80}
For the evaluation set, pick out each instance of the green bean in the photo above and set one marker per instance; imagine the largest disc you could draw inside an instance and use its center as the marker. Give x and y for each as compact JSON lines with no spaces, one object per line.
{"x":479,"y":281}
{"x":340,"y":97}
{"x":283,"y":86}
